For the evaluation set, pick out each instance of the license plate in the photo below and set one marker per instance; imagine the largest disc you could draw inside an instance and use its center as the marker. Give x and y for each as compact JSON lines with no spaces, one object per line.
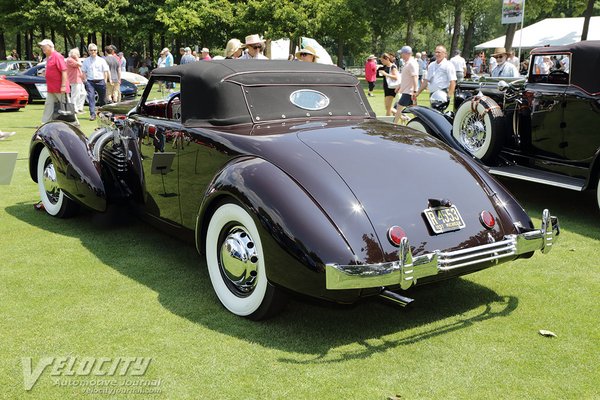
{"x":444,"y":219}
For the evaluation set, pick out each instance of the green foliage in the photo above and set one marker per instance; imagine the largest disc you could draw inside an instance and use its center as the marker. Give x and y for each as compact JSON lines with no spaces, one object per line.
{"x":197,"y":20}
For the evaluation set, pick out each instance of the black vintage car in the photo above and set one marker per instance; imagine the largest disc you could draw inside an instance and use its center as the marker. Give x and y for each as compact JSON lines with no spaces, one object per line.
{"x":542,"y":128}
{"x":281,"y":175}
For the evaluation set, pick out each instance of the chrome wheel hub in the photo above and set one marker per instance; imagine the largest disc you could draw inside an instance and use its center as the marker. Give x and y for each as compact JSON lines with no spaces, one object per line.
{"x":473,"y":132}
{"x":238,"y":260}
{"x":50,"y":185}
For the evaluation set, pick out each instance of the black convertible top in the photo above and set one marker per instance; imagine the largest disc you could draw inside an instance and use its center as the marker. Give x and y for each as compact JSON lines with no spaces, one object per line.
{"x":226,"y":92}
{"x":585,"y":61}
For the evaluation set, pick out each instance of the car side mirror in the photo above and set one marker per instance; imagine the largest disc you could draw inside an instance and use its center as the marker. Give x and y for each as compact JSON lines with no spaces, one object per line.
{"x":502,"y":86}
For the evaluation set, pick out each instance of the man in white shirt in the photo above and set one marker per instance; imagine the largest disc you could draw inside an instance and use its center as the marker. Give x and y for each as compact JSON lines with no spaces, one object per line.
{"x":441,"y":75}
{"x":460,"y":65}
{"x":409,"y":82}
{"x":504,"y":69}
{"x":95,"y":74}
{"x":513,"y":59}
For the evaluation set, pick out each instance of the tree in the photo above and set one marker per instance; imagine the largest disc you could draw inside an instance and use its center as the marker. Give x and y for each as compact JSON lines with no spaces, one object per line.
{"x":203,"y":21}
{"x":587,"y":15}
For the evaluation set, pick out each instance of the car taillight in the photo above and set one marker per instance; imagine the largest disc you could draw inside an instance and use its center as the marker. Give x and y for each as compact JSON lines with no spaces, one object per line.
{"x":487,"y":219}
{"x":395,"y":235}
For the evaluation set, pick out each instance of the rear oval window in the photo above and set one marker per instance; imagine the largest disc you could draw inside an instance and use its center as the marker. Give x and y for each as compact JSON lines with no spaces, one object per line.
{"x":309,"y":99}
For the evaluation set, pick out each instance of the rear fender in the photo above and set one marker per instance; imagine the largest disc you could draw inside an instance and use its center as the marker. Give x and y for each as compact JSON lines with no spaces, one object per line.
{"x":438,"y":123}
{"x":298,"y":237}
{"x":77,"y":173}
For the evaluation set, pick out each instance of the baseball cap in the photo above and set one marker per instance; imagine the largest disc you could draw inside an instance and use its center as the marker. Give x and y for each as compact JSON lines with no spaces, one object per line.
{"x":46,"y":42}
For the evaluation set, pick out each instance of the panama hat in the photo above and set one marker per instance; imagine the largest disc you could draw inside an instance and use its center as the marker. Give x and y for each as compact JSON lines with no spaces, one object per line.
{"x":307,"y":50}
{"x":499,"y":51}
{"x":253,"y":39}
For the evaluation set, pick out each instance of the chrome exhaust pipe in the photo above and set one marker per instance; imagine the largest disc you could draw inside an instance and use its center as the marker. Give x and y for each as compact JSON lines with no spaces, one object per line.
{"x":395,"y":298}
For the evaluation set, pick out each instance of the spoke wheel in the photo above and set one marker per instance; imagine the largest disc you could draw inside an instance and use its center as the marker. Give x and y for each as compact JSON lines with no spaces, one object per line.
{"x":478,"y":127}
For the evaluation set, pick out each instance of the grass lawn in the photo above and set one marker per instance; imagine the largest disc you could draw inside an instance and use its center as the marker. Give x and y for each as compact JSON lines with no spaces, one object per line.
{"x":88,"y":287}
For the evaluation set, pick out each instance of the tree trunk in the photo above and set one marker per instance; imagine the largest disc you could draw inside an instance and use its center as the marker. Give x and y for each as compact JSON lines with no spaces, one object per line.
{"x":586,"y":20}
{"x":410,"y":24}
{"x":456,"y":27}
{"x":2,"y":46}
{"x":340,"y":53}
{"x":82,"y":44}
{"x":510,"y":35}
{"x":151,"y":48}
{"x":28,"y":45}
{"x":18,"y":47}
{"x":466,"y":52}
{"x":53,"y":36}
{"x":43,"y":30}
{"x":66,"y":39}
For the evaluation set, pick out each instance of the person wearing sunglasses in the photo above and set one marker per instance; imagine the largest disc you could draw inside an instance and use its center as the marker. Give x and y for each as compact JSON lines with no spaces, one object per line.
{"x":254,"y":46}
{"x":504,"y":69}
{"x":307,"y":54}
{"x":95,"y":70}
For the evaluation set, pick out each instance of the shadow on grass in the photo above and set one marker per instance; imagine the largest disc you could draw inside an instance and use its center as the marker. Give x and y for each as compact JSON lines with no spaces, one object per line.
{"x":308,"y":331}
{"x":576,"y":211}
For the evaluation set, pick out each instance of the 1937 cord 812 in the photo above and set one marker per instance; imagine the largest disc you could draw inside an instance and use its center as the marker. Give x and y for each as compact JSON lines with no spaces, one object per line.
{"x":543,"y":128}
{"x":285,"y":181}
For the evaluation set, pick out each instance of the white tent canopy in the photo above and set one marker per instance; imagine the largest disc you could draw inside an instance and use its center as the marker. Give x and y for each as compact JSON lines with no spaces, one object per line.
{"x":550,"y":31}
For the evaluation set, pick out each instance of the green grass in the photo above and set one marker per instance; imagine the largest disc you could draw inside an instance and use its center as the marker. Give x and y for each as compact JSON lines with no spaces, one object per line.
{"x":88,"y":287}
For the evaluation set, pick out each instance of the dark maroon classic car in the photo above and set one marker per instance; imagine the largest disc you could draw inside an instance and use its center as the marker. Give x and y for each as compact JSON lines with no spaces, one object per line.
{"x":542,"y":128}
{"x":284,"y":179}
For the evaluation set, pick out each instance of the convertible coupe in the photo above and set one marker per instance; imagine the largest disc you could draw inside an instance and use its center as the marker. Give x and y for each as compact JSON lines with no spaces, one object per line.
{"x":283,"y":178}
{"x":542,"y":128}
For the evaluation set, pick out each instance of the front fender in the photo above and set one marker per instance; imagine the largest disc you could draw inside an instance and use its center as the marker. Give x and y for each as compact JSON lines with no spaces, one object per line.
{"x":438,"y":123}
{"x":298,"y":237}
{"x":77,"y":173}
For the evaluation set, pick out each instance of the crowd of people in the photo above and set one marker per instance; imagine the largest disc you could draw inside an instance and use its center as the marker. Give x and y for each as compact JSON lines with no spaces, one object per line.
{"x":102,"y":74}
{"x":73,"y":79}
{"x":405,"y":76}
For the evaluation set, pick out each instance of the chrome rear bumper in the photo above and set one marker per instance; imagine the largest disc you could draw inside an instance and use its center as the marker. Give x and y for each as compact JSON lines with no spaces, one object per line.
{"x":408,"y":269}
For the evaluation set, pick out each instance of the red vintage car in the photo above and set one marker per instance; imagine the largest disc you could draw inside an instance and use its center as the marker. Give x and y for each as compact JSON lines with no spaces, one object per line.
{"x":12,"y":96}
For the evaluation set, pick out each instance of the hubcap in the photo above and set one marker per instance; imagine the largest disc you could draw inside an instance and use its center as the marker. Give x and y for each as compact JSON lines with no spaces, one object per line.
{"x":472,"y":132}
{"x":50,"y":185}
{"x":239,"y":261}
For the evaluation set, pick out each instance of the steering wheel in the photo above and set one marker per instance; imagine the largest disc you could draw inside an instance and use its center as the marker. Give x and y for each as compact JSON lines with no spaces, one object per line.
{"x":170,"y":110}
{"x":558,"y":72}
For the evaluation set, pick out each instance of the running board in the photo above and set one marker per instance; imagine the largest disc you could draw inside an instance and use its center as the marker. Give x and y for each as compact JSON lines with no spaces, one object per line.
{"x":543,"y":177}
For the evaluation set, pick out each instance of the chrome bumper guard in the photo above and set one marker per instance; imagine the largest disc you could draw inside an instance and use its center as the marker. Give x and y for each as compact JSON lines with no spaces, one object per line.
{"x":408,"y":269}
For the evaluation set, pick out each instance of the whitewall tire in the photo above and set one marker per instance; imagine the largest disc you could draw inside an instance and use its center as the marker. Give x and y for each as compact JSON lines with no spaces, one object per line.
{"x":53,"y":198}
{"x":236,"y":264}
{"x":478,"y":127}
{"x":417,"y":124}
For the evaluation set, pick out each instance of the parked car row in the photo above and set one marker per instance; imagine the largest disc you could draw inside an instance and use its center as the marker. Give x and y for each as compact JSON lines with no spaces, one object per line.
{"x":34,"y":82}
